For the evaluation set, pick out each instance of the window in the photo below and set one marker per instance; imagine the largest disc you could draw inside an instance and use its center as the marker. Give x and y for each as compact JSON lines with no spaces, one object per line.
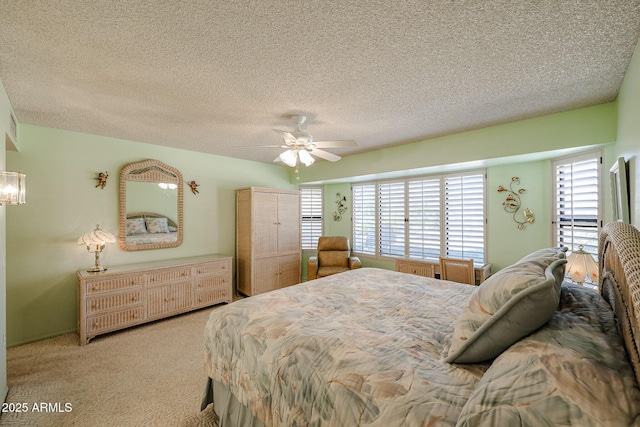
{"x":421,"y":218}
{"x":464,"y":216}
{"x":364,"y":218}
{"x":311,"y":201}
{"x":577,"y":208}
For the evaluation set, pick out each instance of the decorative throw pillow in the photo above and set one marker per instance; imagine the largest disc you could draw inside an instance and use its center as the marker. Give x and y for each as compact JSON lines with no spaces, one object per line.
{"x":508,"y":306}
{"x":157,"y":225}
{"x":136,"y":226}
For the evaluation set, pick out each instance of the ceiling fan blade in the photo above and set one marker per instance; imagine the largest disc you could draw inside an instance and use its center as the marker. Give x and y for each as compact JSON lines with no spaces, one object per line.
{"x":335,"y":144}
{"x":325,"y":155}
{"x":287,"y":136}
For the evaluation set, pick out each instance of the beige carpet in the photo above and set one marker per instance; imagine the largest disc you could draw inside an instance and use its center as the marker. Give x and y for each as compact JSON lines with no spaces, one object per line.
{"x":152,"y":375}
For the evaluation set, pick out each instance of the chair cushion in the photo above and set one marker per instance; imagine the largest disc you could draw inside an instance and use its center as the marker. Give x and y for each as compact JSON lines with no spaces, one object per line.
{"x":328,"y":271}
{"x":333,"y":258}
{"x":334,"y":243}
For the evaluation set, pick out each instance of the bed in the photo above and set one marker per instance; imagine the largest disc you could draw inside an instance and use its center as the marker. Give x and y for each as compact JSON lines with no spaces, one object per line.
{"x":372,"y":347}
{"x":149,"y":228}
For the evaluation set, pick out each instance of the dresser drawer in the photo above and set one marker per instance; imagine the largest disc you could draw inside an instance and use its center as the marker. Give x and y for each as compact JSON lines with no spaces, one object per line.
{"x":113,"y":302}
{"x":113,"y":284}
{"x":114,"y":321}
{"x":213,"y":297}
{"x":218,"y":267}
{"x":213,"y":282}
{"x":166,"y":276}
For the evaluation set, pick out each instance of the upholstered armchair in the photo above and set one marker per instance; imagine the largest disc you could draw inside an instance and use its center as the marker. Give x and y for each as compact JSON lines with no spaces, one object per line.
{"x":334,"y":256}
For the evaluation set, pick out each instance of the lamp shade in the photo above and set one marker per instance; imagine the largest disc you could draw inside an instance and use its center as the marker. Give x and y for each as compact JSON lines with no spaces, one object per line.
{"x":96,"y":237}
{"x":581,"y":267}
{"x":13,"y":188}
{"x":305,"y":157}
{"x":289,"y":158}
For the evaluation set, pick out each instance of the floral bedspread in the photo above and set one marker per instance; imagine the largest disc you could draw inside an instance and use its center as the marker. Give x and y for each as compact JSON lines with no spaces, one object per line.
{"x":365,"y":347}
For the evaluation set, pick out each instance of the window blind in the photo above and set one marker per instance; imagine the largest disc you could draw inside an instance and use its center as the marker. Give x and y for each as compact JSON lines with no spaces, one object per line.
{"x":363,"y":198}
{"x":577,"y":206}
{"x":464,"y":217}
{"x":420,"y":218}
{"x":424,"y":219}
{"x":391,"y":222}
{"x":311,"y":200}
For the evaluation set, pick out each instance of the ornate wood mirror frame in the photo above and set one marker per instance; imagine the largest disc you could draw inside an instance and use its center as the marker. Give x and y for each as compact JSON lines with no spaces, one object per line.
{"x":141,"y":196}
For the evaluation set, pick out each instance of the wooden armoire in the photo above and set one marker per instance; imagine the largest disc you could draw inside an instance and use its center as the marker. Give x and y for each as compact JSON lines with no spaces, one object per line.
{"x":268,"y":253}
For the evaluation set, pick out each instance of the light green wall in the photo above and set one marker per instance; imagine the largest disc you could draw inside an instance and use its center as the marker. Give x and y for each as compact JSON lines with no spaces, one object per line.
{"x":5,"y":119}
{"x":628,"y":145}
{"x":63,"y":203}
{"x":504,"y":151}
{"x":571,"y":129}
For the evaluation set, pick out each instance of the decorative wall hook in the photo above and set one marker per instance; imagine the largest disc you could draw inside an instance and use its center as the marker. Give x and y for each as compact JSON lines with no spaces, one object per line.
{"x":194,"y":187}
{"x":102,"y":179}
{"x":513,"y":203}
{"x":340,"y":201}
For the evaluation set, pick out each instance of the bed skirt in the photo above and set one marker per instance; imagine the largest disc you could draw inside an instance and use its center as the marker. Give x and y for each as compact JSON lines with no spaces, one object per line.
{"x":229,"y":410}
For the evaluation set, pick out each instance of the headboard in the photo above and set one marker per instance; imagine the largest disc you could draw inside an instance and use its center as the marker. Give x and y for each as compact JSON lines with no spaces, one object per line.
{"x":619,"y":265}
{"x":170,"y":222}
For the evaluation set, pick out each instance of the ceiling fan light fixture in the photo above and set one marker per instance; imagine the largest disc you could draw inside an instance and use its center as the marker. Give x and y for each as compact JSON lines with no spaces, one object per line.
{"x":305,"y":157}
{"x":289,"y":158}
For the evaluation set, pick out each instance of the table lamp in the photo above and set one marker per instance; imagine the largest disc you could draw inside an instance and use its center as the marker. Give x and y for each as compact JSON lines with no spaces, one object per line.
{"x":581,"y":267}
{"x":96,"y":240}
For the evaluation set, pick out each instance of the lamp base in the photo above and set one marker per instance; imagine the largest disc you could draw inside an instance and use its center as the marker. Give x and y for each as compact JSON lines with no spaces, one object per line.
{"x":97,"y":269}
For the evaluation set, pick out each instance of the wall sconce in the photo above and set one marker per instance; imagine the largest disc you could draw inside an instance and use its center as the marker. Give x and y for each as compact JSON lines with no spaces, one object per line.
{"x":13,"y":188}
{"x":96,"y":241}
{"x":581,"y":267}
{"x":512,"y":203}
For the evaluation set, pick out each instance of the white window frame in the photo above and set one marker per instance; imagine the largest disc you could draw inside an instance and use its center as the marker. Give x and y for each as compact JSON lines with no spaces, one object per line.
{"x":388,"y":221}
{"x":311,"y":214}
{"x":574,"y":240}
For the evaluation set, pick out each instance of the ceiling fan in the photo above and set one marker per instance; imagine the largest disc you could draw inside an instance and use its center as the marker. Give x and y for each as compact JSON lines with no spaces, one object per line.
{"x":301,"y":146}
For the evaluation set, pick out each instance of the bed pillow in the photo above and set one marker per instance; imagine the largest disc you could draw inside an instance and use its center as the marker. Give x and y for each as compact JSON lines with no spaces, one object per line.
{"x":508,"y":306}
{"x":542,"y":254}
{"x":572,"y":371}
{"x":157,"y":225}
{"x":136,"y":226}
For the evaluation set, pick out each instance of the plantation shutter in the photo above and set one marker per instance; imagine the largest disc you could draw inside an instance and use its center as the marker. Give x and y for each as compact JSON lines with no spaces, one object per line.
{"x":311,"y":210}
{"x":577,"y":208}
{"x":424,"y":219}
{"x":363,"y":198}
{"x":391,"y":219}
{"x":464,"y":217}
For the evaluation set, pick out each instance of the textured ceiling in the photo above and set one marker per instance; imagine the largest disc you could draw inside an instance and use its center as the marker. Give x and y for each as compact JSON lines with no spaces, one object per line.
{"x":217,"y":76}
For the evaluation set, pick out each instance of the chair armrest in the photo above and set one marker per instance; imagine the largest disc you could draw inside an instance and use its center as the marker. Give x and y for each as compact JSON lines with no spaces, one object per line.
{"x":312,"y":268}
{"x":354,"y":262}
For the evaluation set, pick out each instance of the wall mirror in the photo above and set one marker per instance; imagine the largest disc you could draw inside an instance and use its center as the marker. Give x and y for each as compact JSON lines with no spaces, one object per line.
{"x":151,"y":195}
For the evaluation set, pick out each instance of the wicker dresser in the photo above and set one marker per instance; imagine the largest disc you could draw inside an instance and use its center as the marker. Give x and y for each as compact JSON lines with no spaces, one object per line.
{"x":129,"y":295}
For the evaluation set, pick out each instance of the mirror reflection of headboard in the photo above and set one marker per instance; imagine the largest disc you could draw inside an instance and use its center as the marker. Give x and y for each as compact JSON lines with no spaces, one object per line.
{"x":150,"y":214}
